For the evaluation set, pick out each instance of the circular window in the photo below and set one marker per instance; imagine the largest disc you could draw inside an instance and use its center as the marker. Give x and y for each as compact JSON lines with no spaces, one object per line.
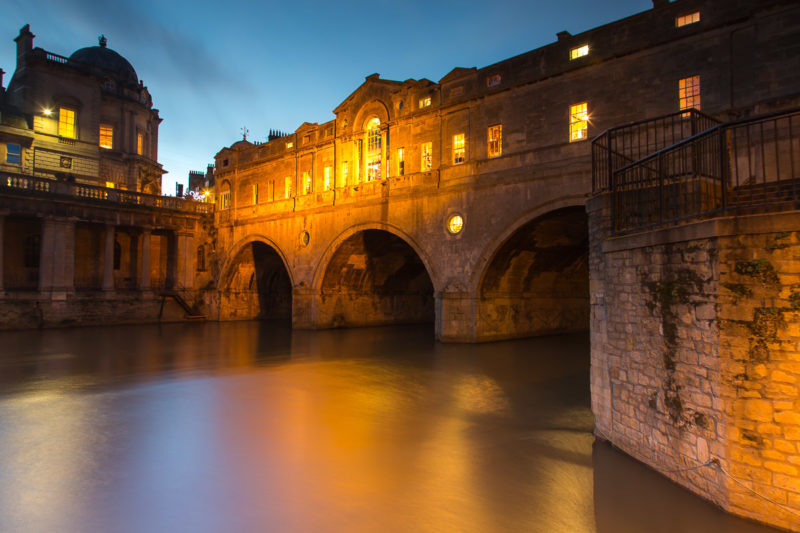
{"x":305,"y":238}
{"x":455,"y":224}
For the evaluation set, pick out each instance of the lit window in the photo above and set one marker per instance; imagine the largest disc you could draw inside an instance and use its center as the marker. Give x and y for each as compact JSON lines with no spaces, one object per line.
{"x":255,"y":193}
{"x":580,"y":51}
{"x":578,"y":122}
{"x":139,"y":143}
{"x":110,"y":185}
{"x":66,"y":122}
{"x":13,"y":154}
{"x":106,"y":136}
{"x":326,"y":178}
{"x":306,"y":182}
{"x":401,"y":162}
{"x":287,"y":187}
{"x":689,"y":93}
{"x":425,"y":102}
{"x":427,"y":156}
{"x":225,"y":200}
{"x":289,"y":145}
{"x":459,"y":148}
{"x":684,"y":20}
{"x":345,"y":172}
{"x":493,"y":80}
{"x":495,"y":140}
{"x":374,"y":149}
{"x":455,"y":224}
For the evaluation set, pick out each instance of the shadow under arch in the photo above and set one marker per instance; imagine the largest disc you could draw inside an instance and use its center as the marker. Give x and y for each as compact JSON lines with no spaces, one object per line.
{"x":255,"y":281}
{"x":373,"y":274}
{"x":533,"y":278}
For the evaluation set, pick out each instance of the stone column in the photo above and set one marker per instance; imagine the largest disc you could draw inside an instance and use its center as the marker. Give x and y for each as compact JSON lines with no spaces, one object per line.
{"x":144,"y":270}
{"x":455,"y":315}
{"x":108,"y":258}
{"x":2,"y":245}
{"x":46,"y":255}
{"x":57,"y":257}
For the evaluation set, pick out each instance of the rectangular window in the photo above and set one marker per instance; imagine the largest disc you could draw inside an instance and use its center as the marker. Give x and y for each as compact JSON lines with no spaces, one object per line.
{"x":66,"y":122}
{"x":225,"y":200}
{"x":401,"y":162}
{"x":580,"y":51}
{"x":493,"y":80}
{"x":14,"y":154}
{"x":307,"y":139}
{"x":289,"y":145}
{"x":427,"y":156}
{"x":689,"y":93}
{"x":306,"y":182}
{"x":459,"y":148}
{"x":287,"y":187}
{"x":495,"y":140}
{"x":685,"y":20}
{"x":345,"y":173}
{"x":329,"y":131}
{"x":106,"y":136}
{"x":139,"y":143}
{"x":578,"y":122}
{"x":327,"y":178}
{"x":255,"y":193}
{"x":425,"y":102}
{"x":110,"y":185}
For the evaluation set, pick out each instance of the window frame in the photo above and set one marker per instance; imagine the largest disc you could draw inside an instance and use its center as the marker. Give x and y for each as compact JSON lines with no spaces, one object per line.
{"x":579,"y":122}
{"x":579,"y":52}
{"x":687,"y":19}
{"x":689,"y":93}
{"x":494,"y":146}
{"x":459,"y":148}
{"x":108,"y":134}
{"x":10,"y":154}
{"x":426,"y":156}
{"x":67,"y":118}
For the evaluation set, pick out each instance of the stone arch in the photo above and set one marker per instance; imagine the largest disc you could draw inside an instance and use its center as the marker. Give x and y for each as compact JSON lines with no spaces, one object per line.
{"x":373,"y":108}
{"x":256,"y":281}
{"x":533,"y":278}
{"x":373,"y":274}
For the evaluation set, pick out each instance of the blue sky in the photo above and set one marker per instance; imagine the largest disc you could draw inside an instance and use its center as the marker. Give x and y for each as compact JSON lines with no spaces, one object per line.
{"x":214,"y":67}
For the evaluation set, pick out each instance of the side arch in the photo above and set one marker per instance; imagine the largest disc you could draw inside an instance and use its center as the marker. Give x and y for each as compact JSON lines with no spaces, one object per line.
{"x":239,"y":246}
{"x":534,"y":277}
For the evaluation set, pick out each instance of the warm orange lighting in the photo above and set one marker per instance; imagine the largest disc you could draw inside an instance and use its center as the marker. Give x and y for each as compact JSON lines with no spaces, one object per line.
{"x":578,"y":122}
{"x":455,"y":224}
{"x":459,"y":148}
{"x":47,"y":111}
{"x":580,"y":51}
{"x":106,"y":136}
{"x":685,"y":20}
{"x":66,"y":122}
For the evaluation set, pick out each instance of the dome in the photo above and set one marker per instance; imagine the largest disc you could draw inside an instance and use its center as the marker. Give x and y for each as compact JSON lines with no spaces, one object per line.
{"x":108,"y":60}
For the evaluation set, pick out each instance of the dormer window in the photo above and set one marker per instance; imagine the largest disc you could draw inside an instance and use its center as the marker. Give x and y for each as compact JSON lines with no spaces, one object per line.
{"x":685,"y":20}
{"x":580,"y":51}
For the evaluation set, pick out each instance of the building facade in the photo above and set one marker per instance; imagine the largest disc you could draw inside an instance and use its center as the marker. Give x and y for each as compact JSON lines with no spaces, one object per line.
{"x":86,"y":118}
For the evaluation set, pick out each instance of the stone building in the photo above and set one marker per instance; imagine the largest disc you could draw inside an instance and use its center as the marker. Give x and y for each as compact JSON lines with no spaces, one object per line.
{"x":86,"y":118}
{"x":85,"y":236}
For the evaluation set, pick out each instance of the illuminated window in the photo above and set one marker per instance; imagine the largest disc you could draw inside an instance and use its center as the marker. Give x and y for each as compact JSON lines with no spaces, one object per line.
{"x":493,"y":80}
{"x":255,"y":193}
{"x":427,"y":156}
{"x":13,"y":154}
{"x":287,"y":187}
{"x":401,"y":162}
{"x":459,"y":148}
{"x":66,"y":122}
{"x":307,"y":182}
{"x":425,"y":102}
{"x":139,"y":143}
{"x":327,"y":176}
{"x":495,"y":140}
{"x":578,"y":122}
{"x":225,"y":200}
{"x":689,"y":93}
{"x":455,"y":224}
{"x":684,"y":20}
{"x":580,"y":51}
{"x":345,"y":173}
{"x":374,"y":149}
{"x":110,"y":185}
{"x":106,"y":136}
{"x":289,"y":145}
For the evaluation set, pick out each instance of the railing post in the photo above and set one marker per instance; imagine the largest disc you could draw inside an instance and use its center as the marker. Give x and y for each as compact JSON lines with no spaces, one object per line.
{"x":660,"y":171}
{"x":722,"y":170}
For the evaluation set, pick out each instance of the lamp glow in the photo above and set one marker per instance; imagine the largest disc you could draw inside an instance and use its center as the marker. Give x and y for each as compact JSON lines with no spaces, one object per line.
{"x":47,"y":111}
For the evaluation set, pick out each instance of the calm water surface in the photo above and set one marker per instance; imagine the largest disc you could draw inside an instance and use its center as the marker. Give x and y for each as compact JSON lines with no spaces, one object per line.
{"x":250,"y":427}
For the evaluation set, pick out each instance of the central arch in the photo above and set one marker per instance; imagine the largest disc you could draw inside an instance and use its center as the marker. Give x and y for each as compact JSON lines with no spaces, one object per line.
{"x":256,"y":284}
{"x":371,"y":276}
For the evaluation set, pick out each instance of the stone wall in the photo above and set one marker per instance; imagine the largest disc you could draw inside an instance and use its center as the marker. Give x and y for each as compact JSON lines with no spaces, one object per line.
{"x":694,"y":355}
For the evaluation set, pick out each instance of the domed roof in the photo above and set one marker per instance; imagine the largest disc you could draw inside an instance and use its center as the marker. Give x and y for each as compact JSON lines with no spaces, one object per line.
{"x":108,"y":60}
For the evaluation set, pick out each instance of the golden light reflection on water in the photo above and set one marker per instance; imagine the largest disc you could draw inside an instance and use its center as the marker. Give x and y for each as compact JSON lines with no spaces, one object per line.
{"x":242,"y":427}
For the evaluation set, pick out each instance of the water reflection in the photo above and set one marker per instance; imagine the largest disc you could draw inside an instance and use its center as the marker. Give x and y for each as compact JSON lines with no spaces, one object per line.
{"x":254,"y":427}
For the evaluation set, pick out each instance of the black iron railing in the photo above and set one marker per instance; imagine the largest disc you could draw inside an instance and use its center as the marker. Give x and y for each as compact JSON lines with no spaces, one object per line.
{"x":748,"y":165}
{"x":23,"y":182}
{"x":622,"y":145}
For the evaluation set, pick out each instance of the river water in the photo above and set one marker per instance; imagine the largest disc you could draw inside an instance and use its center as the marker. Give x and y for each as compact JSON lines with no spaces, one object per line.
{"x":252,"y":427}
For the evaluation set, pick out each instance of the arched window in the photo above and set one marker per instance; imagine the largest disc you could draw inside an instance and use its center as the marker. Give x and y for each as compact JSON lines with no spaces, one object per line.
{"x":373,"y":149}
{"x":201,"y":258}
{"x":31,"y":252}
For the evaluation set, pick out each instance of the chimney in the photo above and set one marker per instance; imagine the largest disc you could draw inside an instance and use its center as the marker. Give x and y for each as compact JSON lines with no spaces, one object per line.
{"x":1,"y":79}
{"x":563,"y":35}
{"x":24,"y":44}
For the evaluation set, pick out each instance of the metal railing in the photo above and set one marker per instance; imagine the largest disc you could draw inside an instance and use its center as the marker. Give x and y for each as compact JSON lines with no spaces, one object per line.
{"x":622,"y":145}
{"x":81,"y":191}
{"x":748,"y":165}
